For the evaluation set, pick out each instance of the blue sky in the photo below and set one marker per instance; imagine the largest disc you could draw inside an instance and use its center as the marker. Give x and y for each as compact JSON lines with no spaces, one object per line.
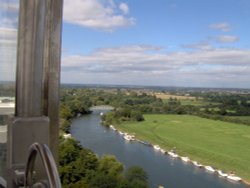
{"x":196,"y":43}
{"x":157,"y":42}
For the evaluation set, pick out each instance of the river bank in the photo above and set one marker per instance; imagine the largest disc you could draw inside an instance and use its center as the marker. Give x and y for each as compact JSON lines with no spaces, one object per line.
{"x":143,"y":133}
{"x":161,"y":169}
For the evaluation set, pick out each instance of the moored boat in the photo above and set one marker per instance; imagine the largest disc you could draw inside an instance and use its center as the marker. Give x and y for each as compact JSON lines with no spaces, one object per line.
{"x":172,"y":154}
{"x":233,"y":177}
{"x":185,"y":159}
{"x":197,"y":164}
{"x":128,"y":137}
{"x":156,"y":147}
{"x":222,"y":174}
{"x":112,"y":127}
{"x":120,"y":132}
{"x":67,"y":136}
{"x":209,"y":168}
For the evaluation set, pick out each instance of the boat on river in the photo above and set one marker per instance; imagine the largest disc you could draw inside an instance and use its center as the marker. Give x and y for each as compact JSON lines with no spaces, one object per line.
{"x":156,"y":147}
{"x":89,"y":131}
{"x":185,"y":159}
{"x":146,"y":143}
{"x":209,"y":168}
{"x":128,"y":137}
{"x":163,"y":151}
{"x":222,"y":174}
{"x":112,"y":127}
{"x":197,"y":164}
{"x":66,"y":136}
{"x":233,"y":177}
{"x":172,"y":154}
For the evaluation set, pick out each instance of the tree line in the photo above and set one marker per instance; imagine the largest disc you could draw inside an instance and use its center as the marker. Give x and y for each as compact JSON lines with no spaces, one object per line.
{"x":80,"y":167}
{"x":130,"y":105}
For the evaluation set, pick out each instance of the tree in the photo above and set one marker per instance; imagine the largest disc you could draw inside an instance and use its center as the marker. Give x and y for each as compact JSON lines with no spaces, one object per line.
{"x":65,"y":112}
{"x":68,"y":151}
{"x":104,"y":181}
{"x":109,"y":165}
{"x":137,"y":116}
{"x":137,"y":177}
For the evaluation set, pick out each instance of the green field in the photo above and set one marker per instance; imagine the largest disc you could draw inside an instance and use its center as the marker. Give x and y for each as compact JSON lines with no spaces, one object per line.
{"x":193,"y":102}
{"x":220,"y":144}
{"x":198,"y":102}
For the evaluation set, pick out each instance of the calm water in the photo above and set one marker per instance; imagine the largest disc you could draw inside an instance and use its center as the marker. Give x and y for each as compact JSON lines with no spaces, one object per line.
{"x":161,"y":169}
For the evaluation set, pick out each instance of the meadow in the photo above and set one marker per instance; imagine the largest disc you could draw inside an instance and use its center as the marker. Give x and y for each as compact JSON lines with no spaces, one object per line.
{"x":223,"y":145}
{"x":185,"y":100}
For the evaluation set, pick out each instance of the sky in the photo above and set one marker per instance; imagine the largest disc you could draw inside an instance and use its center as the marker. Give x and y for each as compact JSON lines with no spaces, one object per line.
{"x":8,"y":39}
{"x":191,"y":43}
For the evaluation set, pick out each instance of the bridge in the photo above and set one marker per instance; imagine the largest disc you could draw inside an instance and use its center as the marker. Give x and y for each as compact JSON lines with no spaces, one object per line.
{"x":102,"y":107}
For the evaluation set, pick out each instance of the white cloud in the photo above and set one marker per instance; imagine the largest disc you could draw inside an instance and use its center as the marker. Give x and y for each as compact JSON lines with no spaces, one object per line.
{"x":124,"y":8}
{"x":8,"y":42}
{"x":227,"y":38}
{"x":97,"y":15}
{"x":8,"y":38}
{"x":8,"y":22}
{"x":199,"y":46}
{"x":143,"y":64}
{"x":10,"y":6}
{"x":225,"y":27}
{"x":9,"y":13}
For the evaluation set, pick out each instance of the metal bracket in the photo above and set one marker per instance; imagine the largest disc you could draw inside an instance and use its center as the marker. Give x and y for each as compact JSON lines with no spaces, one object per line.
{"x":19,"y":177}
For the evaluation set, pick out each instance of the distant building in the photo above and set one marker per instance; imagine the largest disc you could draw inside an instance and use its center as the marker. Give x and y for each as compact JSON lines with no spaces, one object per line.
{"x":7,"y":108}
{"x":7,"y":101}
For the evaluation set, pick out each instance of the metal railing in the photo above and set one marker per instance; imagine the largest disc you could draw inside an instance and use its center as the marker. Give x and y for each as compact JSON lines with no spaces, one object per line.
{"x":48,"y":163}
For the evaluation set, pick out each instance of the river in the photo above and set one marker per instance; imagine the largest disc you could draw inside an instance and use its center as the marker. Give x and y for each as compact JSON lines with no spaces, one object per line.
{"x":161,"y":169}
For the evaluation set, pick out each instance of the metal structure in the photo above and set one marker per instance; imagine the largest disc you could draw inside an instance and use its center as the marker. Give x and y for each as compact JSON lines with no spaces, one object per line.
{"x":48,"y":163}
{"x":37,"y":91}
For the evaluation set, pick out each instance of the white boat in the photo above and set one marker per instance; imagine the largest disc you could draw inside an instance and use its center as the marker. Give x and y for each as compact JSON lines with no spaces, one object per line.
{"x":101,"y":114}
{"x":172,"y":154}
{"x":233,"y":177}
{"x":197,"y":164}
{"x":185,"y":159}
{"x":222,"y":174}
{"x":67,"y":136}
{"x":120,"y":132}
{"x":156,"y":147}
{"x":112,"y":127}
{"x":128,"y":137}
{"x":209,"y":168}
{"x":163,"y":151}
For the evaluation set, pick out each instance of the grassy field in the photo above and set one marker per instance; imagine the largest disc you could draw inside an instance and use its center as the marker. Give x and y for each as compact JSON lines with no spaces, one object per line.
{"x":199,"y":102}
{"x":168,"y":96}
{"x":220,"y":144}
{"x":185,"y":100}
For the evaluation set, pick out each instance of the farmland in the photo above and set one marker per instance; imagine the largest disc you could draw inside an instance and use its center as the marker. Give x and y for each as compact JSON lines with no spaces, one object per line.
{"x":168,"y":96}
